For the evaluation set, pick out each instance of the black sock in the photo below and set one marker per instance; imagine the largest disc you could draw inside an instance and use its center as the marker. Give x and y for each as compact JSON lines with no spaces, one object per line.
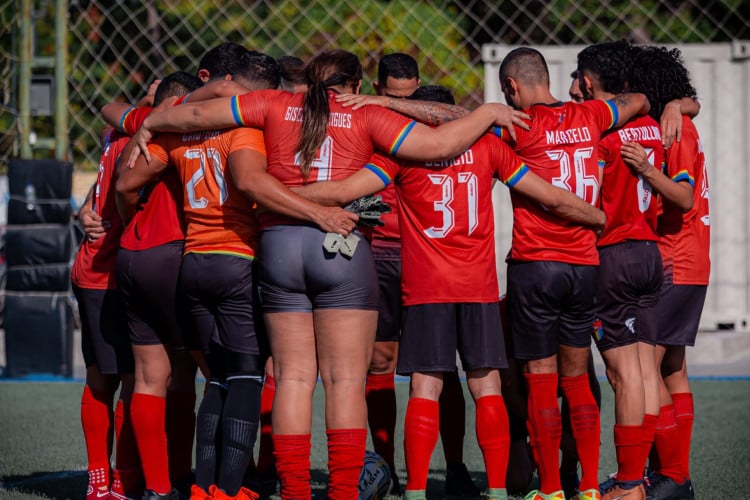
{"x":208,"y":434}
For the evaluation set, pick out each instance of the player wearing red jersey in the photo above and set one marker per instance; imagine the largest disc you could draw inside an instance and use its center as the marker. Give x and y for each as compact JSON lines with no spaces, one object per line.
{"x":106,"y":350}
{"x":630,"y":270}
{"x":684,"y":227}
{"x":312,"y":303}
{"x":148,"y":264}
{"x":220,"y":171}
{"x":552,"y":264}
{"x":449,"y":286}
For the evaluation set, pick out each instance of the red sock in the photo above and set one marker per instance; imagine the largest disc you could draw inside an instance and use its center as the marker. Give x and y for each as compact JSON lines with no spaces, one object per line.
{"x":648,"y":428}
{"x":265,"y":446}
{"x":452,"y":418}
{"x":148,"y":417}
{"x":545,"y":428}
{"x":628,"y":450}
{"x":421,"y":429}
{"x":96,"y":420}
{"x":665,"y":438}
{"x":127,"y":474}
{"x":380,"y":393}
{"x":493,"y":436}
{"x":292,"y":454}
{"x":180,"y":428}
{"x":346,"y":456}
{"x":584,"y":420}
{"x":684,"y":412}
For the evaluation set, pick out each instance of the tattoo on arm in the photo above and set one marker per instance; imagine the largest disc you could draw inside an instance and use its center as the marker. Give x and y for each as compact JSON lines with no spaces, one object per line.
{"x":431,"y":113}
{"x":622,"y":100}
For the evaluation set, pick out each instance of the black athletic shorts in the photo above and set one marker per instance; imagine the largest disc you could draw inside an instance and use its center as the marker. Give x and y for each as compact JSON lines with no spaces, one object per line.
{"x":431,"y":334}
{"x":678,"y":313}
{"x":296,"y":274}
{"x":629,"y":281}
{"x":548,"y":304}
{"x":104,"y":332}
{"x":148,"y":279}
{"x":388,"y":266}
{"x":220,"y":295}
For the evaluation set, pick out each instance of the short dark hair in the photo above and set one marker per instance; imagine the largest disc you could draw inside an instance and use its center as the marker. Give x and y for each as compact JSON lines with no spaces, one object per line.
{"x":291,"y":70}
{"x":222,"y":60}
{"x":260,"y":70}
{"x":176,"y":84}
{"x":435,"y":93}
{"x":525,"y":65}
{"x":660,"y":73}
{"x":609,"y":63}
{"x":397,"y":65}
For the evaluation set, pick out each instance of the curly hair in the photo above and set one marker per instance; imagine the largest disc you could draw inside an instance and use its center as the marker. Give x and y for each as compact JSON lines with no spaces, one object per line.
{"x":609,"y":63}
{"x":660,"y":73}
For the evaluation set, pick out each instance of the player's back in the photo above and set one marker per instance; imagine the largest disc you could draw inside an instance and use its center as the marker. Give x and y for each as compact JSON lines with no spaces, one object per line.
{"x":561,"y":148}
{"x":218,"y":217}
{"x":626,"y":198}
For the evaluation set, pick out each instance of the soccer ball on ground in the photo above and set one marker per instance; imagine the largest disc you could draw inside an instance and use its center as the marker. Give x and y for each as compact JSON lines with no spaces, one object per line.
{"x":375,"y":478}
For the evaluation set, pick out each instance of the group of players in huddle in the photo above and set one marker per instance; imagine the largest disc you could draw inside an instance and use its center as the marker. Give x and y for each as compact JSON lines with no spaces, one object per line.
{"x":216,"y":237}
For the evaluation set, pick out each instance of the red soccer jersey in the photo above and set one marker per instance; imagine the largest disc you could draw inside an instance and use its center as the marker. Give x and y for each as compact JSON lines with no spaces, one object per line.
{"x":94,"y":265}
{"x":561,"y":148}
{"x":685,"y":237}
{"x":159,"y":218}
{"x":219,"y":218}
{"x":389,"y":233}
{"x":625,"y":197}
{"x":352,"y":137}
{"x":446,"y":219}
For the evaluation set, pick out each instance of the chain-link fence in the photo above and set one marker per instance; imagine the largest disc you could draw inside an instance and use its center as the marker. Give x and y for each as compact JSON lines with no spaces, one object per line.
{"x":117,"y":47}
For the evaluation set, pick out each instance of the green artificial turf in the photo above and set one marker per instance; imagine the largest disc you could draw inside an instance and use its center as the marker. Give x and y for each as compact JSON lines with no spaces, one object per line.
{"x":42,"y":454}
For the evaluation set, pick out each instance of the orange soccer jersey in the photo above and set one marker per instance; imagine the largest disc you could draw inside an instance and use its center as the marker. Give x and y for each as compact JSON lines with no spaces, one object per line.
{"x":219,"y":218}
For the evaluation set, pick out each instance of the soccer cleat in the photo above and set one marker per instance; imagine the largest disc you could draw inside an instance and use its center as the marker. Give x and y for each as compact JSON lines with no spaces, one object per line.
{"x":198,"y":493}
{"x":243,"y":494}
{"x":569,"y":483}
{"x":617,"y":492}
{"x":497,"y":494}
{"x":458,"y":482}
{"x":665,"y":488}
{"x":415,"y":495}
{"x":395,"y":488}
{"x":152,"y":495}
{"x":97,"y":493}
{"x":538,"y":495}
{"x":588,"y":495}
{"x":608,"y":483}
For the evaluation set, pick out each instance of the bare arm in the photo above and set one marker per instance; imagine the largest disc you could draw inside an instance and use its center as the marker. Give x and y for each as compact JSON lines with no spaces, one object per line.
{"x":560,"y":202}
{"x":217,"y":88}
{"x":207,"y":115}
{"x":129,"y":183}
{"x":677,"y":193}
{"x":248,"y":169}
{"x":360,"y":183}
{"x":450,"y":139}
{"x":91,"y":222}
{"x":671,"y":118}
{"x":112,"y":112}
{"x":630,"y":105}
{"x":433,"y":113}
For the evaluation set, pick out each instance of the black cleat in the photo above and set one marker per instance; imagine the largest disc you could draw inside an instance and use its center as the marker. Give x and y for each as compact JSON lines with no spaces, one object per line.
{"x":665,"y":488}
{"x":152,"y":495}
{"x":458,"y":482}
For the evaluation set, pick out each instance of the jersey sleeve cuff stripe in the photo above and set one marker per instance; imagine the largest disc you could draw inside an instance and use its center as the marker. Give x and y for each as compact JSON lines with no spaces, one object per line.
{"x":382,"y":174}
{"x":517,"y":175}
{"x":683,"y":176}
{"x":236,"y":113}
{"x":601,"y":163}
{"x":401,"y":137}
{"x":498,"y":131}
{"x":615,"y":114}
{"x":124,"y":117}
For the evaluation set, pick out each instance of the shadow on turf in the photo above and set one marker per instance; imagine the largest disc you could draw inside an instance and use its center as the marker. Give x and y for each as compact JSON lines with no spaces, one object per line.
{"x":56,"y":485}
